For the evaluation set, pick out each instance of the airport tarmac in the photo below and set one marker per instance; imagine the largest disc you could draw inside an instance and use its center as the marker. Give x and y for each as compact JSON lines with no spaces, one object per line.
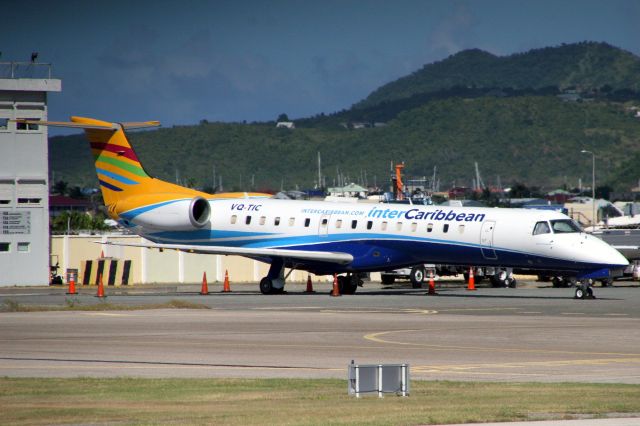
{"x":531,"y":333}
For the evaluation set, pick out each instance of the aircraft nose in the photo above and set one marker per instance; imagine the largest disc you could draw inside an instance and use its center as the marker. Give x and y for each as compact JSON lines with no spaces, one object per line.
{"x":607,"y":254}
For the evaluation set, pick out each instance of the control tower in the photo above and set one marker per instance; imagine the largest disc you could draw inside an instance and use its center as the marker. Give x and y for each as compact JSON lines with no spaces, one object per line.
{"x":24,"y":185}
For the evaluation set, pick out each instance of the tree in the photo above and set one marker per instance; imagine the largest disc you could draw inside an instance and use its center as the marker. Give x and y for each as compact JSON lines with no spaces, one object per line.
{"x":283,"y":117}
{"x":60,"y":187}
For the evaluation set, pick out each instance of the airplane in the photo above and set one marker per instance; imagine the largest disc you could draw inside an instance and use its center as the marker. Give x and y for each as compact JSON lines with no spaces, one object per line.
{"x":333,"y":238}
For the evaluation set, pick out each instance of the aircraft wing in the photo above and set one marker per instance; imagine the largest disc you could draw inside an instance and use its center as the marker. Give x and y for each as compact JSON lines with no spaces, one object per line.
{"x":319,"y":256}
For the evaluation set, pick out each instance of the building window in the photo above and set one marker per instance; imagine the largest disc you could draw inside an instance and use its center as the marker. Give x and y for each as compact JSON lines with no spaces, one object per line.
{"x":29,"y":200}
{"x":4,"y":122}
{"x":307,"y":222}
{"x":4,"y":247}
{"x":276,"y":221}
{"x":369,"y":224}
{"x":354,"y":224}
{"x":23,"y":247}
{"x":247,"y":220}
{"x":234,"y":218}
{"x":445,"y":228}
{"x":429,"y":227}
{"x":339,"y":223}
{"x":25,"y":126}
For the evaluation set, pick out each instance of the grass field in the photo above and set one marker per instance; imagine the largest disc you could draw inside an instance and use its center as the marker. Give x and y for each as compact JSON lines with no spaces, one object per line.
{"x":36,"y":401}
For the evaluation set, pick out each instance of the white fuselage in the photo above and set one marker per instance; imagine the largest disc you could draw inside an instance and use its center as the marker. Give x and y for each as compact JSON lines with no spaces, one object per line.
{"x":383,"y":236}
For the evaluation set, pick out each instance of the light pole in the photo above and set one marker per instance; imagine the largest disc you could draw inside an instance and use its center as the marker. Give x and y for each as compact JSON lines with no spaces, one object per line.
{"x":593,"y":187}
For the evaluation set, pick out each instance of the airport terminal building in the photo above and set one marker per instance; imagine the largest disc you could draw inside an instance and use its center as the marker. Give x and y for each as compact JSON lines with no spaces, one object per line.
{"x":24,"y":183}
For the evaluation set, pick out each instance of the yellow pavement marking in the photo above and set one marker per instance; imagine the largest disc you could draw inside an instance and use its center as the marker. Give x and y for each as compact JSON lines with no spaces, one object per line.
{"x":105,"y":314}
{"x":525,"y":364}
{"x":376,"y":337}
{"x":160,"y":366}
{"x":380,"y":311}
{"x":478,"y":309}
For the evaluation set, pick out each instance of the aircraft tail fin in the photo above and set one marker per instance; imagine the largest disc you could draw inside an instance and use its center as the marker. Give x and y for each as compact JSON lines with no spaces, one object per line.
{"x":120,"y":172}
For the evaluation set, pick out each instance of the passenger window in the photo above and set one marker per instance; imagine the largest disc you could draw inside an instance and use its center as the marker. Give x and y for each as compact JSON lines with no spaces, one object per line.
{"x":445,"y":228}
{"x":399,"y":226}
{"x":262,"y":220}
{"x":429,"y":227}
{"x":276,"y":221}
{"x":461,"y":229}
{"x":292,"y":221}
{"x":354,"y":224}
{"x":307,"y":221}
{"x":339,"y":223}
{"x":369,"y":224}
{"x":541,"y":228}
{"x":383,"y":226}
{"x":234,"y":218}
{"x":247,"y":220}
{"x":414,"y":226}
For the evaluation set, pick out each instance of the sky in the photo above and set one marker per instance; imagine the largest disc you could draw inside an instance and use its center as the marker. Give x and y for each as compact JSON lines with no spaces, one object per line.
{"x":183,"y":61}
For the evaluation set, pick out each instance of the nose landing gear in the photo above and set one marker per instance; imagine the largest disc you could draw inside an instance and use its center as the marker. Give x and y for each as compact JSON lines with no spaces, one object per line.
{"x":584,"y":290}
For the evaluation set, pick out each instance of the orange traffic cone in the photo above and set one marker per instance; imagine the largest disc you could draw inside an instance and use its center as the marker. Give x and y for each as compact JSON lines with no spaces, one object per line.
{"x":100,"y":293}
{"x":335,"y":292}
{"x":205,"y":288}
{"x":101,"y":254}
{"x":432,"y":285}
{"x":309,"y":285}
{"x":226,"y":288}
{"x":72,"y":285}
{"x":472,"y":280}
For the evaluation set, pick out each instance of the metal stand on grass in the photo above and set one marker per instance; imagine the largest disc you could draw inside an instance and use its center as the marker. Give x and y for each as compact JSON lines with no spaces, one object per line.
{"x":378,"y":378}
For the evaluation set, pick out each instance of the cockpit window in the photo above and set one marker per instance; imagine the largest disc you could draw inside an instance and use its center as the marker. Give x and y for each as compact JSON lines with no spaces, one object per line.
{"x":541,"y":228}
{"x":564,"y":226}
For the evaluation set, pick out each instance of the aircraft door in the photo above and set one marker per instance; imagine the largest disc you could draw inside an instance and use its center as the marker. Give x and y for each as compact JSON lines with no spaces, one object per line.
{"x":323,"y":227}
{"x":486,"y":240}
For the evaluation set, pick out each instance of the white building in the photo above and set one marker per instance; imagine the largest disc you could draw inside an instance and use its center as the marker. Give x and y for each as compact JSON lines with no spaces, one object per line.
{"x":24,"y":203}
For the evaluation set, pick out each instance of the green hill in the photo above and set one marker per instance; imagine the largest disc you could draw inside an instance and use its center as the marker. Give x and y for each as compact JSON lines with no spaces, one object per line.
{"x":585,"y":66}
{"x":527,"y":135}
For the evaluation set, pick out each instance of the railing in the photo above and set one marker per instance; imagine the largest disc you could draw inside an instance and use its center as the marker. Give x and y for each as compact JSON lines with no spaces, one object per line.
{"x":25,"y":70}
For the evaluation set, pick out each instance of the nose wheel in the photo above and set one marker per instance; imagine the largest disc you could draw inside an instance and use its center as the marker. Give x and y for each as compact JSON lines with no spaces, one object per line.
{"x":584,"y":290}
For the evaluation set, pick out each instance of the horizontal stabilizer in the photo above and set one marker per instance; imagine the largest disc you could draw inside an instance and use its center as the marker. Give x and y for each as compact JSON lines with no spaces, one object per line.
{"x":87,"y":123}
{"x":319,"y":256}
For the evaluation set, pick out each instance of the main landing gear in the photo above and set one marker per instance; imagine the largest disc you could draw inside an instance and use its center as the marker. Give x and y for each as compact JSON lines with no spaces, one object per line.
{"x":584,"y":290}
{"x":348,"y":284}
{"x":274,"y":282}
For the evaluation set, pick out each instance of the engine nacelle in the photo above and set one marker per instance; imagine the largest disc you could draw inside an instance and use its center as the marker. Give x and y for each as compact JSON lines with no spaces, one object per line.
{"x":173,"y":215}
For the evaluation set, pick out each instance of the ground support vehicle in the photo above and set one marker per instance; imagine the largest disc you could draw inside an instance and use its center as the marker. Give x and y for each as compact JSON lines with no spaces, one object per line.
{"x":418,"y":274}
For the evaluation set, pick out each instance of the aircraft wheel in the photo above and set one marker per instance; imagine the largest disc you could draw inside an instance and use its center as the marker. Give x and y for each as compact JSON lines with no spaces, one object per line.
{"x":512,"y":283}
{"x":350,"y":285}
{"x":580,"y":293}
{"x":266,"y":286}
{"x":387,"y":279}
{"x":607,"y":282}
{"x":417,"y":276}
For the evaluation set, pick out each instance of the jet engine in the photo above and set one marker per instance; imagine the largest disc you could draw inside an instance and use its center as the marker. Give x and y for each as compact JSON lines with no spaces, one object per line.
{"x":173,"y":215}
